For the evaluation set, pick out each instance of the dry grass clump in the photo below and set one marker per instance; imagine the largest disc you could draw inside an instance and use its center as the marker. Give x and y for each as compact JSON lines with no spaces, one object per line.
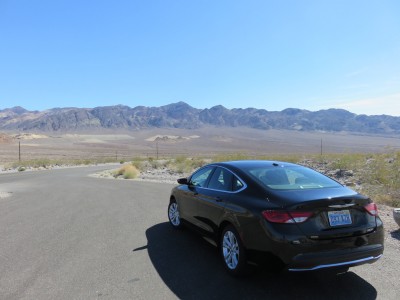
{"x":294,"y":158}
{"x":35,"y":163}
{"x":184,"y":165}
{"x":138,"y":162}
{"x":128,"y":171}
{"x":346,"y":161}
{"x":231,"y":156}
{"x":382,"y":178}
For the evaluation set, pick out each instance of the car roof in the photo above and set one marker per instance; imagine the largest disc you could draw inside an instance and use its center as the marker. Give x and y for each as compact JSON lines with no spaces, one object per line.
{"x":255,"y":163}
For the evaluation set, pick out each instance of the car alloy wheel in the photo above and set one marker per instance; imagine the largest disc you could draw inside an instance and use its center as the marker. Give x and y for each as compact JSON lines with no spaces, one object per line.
{"x":232,"y":251}
{"x":173,"y":215}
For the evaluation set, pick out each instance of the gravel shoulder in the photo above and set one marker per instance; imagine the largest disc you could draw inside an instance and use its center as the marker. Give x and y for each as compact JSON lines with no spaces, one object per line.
{"x":392,"y":231}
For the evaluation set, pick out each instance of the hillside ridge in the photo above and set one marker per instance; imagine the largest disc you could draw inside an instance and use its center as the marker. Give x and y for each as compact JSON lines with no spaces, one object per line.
{"x":182,"y":115}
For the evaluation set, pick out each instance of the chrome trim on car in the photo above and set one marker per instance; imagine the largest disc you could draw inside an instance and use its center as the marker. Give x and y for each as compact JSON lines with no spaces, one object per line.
{"x":338,"y":264}
{"x":341,"y":205}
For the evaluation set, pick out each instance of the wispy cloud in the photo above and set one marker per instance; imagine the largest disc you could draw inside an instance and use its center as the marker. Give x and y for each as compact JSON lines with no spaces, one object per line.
{"x":357,"y":72}
{"x":356,"y":86}
{"x":387,"y":104}
{"x":393,"y":82}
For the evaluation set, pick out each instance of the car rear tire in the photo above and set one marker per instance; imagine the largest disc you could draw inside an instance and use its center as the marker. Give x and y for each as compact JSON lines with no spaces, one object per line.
{"x":232,"y":251}
{"x":173,"y":215}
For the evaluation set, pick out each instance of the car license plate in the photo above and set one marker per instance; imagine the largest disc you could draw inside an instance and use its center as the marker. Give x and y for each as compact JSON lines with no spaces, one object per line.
{"x":341,"y":217}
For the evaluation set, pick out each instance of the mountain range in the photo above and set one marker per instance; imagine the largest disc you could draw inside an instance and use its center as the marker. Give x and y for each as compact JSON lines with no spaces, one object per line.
{"x":182,"y":115}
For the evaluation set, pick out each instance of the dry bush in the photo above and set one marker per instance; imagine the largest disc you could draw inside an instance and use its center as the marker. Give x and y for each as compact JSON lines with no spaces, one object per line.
{"x":231,"y":156}
{"x":138,"y":163}
{"x":183,"y":164}
{"x":127,"y":172}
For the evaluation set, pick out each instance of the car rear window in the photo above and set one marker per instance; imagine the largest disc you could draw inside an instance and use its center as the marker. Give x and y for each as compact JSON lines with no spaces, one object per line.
{"x":291,"y":178}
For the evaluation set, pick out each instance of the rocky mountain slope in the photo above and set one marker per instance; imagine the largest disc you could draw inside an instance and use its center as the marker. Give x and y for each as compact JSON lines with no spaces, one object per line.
{"x":182,"y":115}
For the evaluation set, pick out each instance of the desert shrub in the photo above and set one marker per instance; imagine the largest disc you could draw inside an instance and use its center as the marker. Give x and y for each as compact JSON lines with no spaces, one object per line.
{"x":387,"y":199}
{"x":180,"y":160}
{"x":138,"y":163}
{"x":34,"y":163}
{"x":198,"y":162}
{"x":128,"y":171}
{"x":155,"y":164}
{"x":89,"y":161}
{"x":163,"y":163}
{"x":230,"y":156}
{"x":131,"y":173}
{"x":348,"y":161}
{"x":182,"y":164}
{"x":395,"y":168}
{"x":86,"y":162}
{"x":380,"y":177}
{"x":383,"y":169}
{"x":293,"y":158}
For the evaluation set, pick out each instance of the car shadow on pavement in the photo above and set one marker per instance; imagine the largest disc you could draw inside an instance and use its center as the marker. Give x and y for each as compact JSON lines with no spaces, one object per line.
{"x":396,"y":234}
{"x":192,"y":269}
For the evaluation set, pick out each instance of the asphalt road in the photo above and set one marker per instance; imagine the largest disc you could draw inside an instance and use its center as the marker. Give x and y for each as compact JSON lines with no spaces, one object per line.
{"x":64,"y":235}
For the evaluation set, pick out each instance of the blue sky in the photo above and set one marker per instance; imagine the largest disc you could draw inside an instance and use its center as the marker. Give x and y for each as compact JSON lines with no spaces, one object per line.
{"x":264,"y":54}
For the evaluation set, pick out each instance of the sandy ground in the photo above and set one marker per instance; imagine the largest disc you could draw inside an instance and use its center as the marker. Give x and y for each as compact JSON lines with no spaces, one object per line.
{"x":171,"y":142}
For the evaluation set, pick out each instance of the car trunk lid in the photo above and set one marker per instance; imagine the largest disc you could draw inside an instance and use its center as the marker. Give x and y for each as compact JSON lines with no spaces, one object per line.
{"x":337,"y":214}
{"x":335,"y":218}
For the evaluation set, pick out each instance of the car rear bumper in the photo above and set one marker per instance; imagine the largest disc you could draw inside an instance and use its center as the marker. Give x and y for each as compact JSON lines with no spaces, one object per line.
{"x":299,"y":253}
{"x":337,"y":258}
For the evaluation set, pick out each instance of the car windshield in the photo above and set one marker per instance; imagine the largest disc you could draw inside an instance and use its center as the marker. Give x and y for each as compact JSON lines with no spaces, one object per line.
{"x":290,"y":178}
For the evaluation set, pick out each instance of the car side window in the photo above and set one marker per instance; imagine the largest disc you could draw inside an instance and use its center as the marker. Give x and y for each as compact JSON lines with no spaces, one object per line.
{"x":200,"y":177}
{"x":224,"y":180}
{"x":217,"y":180}
{"x":237,"y":184}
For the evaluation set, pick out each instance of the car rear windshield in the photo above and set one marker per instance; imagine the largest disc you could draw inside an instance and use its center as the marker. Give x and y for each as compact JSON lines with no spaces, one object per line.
{"x":290,"y":178}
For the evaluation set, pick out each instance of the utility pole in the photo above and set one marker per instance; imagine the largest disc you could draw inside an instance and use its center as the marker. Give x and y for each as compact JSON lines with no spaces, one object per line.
{"x":157,"y":148}
{"x":321,"y":146}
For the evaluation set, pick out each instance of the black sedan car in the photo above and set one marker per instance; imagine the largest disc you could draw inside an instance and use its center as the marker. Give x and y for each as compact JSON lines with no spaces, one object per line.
{"x":278,"y":214}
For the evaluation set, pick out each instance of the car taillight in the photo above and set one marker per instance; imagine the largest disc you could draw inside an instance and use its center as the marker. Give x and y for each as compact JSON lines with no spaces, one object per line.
{"x":279,"y":216}
{"x":372,"y":209}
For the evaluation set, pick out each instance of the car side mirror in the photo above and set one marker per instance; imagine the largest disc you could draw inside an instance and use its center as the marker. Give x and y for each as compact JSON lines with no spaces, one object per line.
{"x":183,"y":181}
